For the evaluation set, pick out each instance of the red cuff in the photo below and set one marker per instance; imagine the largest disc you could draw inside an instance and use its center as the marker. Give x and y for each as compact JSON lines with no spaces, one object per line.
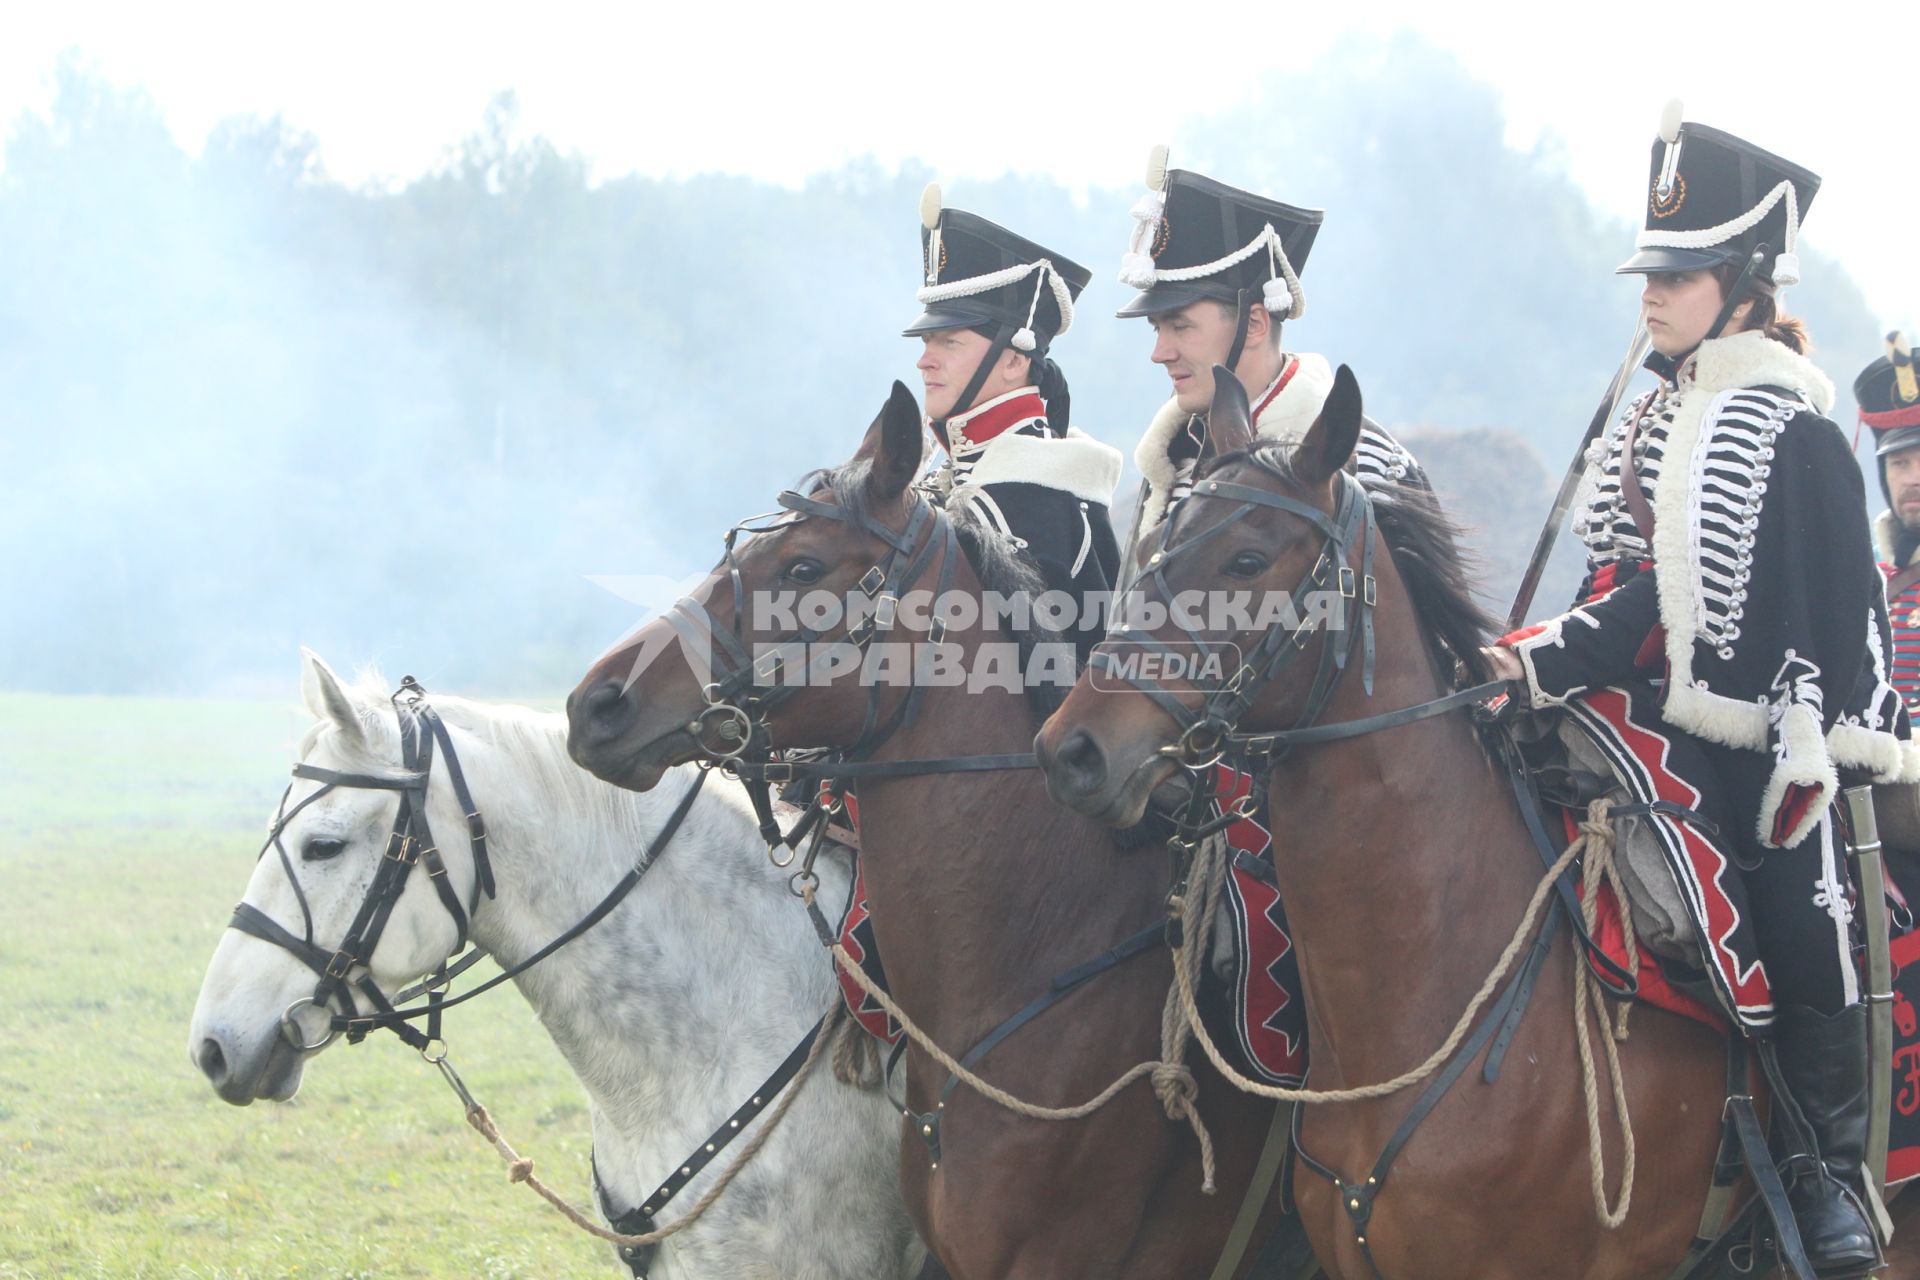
{"x":1793,"y":807}
{"x":1513,"y":638}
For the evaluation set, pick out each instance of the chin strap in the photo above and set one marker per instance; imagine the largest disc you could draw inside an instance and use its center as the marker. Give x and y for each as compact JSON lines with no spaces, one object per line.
{"x":1243,"y":305}
{"x":1002,"y":339}
{"x":1737,"y":292}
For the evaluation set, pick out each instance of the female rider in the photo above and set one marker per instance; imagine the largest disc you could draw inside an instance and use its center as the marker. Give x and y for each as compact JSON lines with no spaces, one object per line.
{"x":1728,"y":650}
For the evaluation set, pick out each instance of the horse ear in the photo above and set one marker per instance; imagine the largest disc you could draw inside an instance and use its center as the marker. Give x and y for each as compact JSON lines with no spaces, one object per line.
{"x":1330,"y":441}
{"x":325,"y":696}
{"x":1230,"y":420}
{"x":898,"y":442}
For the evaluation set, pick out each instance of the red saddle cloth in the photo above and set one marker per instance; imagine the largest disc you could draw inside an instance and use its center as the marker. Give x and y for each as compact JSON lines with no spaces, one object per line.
{"x":1610,"y":935}
{"x":1903,"y":1137}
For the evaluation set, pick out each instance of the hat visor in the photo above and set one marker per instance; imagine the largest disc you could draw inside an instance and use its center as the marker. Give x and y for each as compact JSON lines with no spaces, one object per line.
{"x":1895,"y":440}
{"x":955,"y":314}
{"x":1648,"y":261}
{"x":1163,"y":298}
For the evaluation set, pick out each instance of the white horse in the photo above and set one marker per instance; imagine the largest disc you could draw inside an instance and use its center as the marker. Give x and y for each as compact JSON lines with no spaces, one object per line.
{"x":671,"y":1010}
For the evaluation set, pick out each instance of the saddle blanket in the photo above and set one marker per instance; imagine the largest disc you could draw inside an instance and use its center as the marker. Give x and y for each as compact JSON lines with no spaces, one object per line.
{"x":856,"y":937}
{"x":1651,"y":764}
{"x":1267,"y":1010}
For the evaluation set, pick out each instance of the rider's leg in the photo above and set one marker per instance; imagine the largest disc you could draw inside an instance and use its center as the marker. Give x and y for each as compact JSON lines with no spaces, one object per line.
{"x":1800,"y":913}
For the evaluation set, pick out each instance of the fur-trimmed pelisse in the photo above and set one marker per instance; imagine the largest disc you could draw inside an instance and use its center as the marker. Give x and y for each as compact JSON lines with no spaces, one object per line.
{"x":1721,"y":368}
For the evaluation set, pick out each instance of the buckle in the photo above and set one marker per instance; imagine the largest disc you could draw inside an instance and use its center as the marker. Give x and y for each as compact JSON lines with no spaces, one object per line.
{"x":873,"y":580}
{"x":937,"y":631}
{"x":1347,"y":591}
{"x":767,"y":669}
{"x":402,"y":847}
{"x":777,"y":771}
{"x":1241,"y":679}
{"x":1372,"y":596}
{"x":435,"y":867}
{"x":885,"y":610}
{"x":345,"y":965}
{"x":1300,"y":636}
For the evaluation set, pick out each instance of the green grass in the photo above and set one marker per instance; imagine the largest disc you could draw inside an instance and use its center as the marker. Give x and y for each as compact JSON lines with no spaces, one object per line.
{"x":127,"y":830}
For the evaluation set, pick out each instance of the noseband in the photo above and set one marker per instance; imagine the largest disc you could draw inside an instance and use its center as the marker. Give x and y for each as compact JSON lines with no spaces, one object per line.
{"x":409,"y":844}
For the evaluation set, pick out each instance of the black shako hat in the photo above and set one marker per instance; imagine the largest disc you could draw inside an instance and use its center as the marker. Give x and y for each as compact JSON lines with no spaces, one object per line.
{"x":978,"y":274}
{"x":1714,"y":198}
{"x":1888,"y":393}
{"x":1196,"y":238}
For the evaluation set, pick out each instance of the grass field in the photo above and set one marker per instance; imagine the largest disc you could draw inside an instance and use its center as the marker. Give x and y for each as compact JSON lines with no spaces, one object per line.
{"x":127,"y":830}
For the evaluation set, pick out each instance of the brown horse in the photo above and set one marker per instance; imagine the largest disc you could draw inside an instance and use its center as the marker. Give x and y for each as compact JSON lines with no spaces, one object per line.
{"x":981,"y":890}
{"x":1406,"y":868}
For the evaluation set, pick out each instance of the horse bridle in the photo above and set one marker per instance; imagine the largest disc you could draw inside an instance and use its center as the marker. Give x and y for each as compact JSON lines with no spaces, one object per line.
{"x":741,"y":694}
{"x":1211,"y":732}
{"x":410,"y":843}
{"x":1212,"y":729}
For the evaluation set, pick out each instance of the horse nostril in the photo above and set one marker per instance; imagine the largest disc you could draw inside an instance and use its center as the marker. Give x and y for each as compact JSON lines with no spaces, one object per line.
{"x":1080,"y":763}
{"x":212,"y":1060}
{"x":608,"y":710}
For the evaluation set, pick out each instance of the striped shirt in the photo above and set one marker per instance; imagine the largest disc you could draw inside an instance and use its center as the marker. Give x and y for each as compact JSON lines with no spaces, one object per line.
{"x":1903,"y":609}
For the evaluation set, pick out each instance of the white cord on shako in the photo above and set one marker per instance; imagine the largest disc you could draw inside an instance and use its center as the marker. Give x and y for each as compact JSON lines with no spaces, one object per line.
{"x":1282,"y":294}
{"x":1023,"y":339}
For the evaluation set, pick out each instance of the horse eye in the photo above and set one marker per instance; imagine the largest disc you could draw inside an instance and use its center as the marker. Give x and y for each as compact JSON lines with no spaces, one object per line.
{"x":318,"y":850}
{"x":1247,"y":564}
{"x":804,"y":572}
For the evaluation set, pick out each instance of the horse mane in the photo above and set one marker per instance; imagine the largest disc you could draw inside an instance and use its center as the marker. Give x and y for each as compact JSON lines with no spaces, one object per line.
{"x":1002,"y":567}
{"x":1426,"y":545}
{"x":534,"y":740}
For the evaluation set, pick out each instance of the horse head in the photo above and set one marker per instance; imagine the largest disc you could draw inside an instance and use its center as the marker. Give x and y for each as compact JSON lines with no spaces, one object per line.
{"x":1226,"y":576}
{"x":773,"y":646}
{"x":261,"y":1012}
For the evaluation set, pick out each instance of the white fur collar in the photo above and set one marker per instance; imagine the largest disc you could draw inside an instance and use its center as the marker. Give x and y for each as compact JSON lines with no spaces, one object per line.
{"x":1752,"y":359}
{"x":1884,"y":531}
{"x":1076,"y":463}
{"x":1287,"y":418}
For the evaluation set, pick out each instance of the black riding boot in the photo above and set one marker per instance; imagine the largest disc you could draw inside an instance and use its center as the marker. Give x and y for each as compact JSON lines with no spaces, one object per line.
{"x":1824,"y":1060}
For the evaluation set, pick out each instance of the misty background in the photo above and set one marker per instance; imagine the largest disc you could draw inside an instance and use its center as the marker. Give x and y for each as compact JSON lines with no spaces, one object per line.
{"x":245,"y":406}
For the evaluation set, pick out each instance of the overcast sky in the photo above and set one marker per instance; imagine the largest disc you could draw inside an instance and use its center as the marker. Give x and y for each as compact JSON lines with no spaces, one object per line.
{"x":1080,"y":90}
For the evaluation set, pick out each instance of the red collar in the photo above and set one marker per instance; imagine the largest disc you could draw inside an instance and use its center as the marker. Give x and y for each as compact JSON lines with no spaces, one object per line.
{"x":996,"y":416}
{"x":1273,"y":392}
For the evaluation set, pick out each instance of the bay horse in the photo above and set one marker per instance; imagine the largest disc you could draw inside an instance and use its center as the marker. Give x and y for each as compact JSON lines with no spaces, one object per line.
{"x":1403,"y":860}
{"x":981,"y":889}
{"x":671,"y":1010}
